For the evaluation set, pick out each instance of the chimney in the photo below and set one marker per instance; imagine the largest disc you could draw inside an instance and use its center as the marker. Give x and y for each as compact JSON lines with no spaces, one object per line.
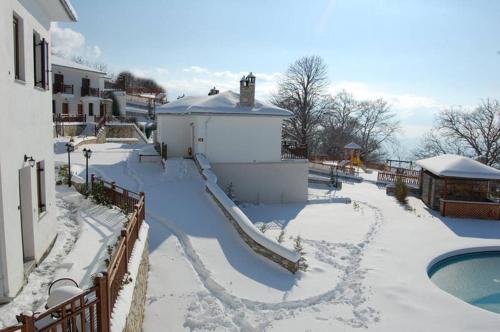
{"x":247,"y":90}
{"x":213,"y":91}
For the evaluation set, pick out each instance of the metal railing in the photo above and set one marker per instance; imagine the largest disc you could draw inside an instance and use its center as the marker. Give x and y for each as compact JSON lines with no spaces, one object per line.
{"x":69,"y":118}
{"x":293,"y":151}
{"x":90,"y":92}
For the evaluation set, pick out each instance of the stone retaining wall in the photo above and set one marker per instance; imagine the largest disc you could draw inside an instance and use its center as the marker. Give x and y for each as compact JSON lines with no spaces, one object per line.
{"x":257,"y":247}
{"x":135,"y":316}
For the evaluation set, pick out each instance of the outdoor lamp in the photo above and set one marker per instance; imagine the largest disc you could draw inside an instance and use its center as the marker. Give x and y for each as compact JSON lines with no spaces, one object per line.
{"x":30,"y":160}
{"x":69,"y":148}
{"x":87,"y":153}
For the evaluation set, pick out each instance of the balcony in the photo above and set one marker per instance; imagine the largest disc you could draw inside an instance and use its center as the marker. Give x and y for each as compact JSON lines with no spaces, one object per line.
{"x":59,"y":118}
{"x":291,"y":150}
{"x":62,"y":88}
{"x":89,"y":92}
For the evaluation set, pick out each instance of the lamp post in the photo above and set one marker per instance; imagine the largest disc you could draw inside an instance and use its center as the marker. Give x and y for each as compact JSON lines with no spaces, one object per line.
{"x":30,"y":161}
{"x":87,"y":153}
{"x":69,"y":148}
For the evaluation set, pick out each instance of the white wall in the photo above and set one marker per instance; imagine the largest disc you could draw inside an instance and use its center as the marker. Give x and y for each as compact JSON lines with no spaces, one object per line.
{"x":74,"y":77}
{"x":25,"y":129}
{"x":175,"y":131}
{"x":273,"y":182}
{"x":223,"y":138}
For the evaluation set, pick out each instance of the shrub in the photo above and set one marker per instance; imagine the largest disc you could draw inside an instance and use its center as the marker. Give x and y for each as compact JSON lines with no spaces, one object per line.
{"x":297,"y":245}
{"x":401,"y":191}
{"x":281,"y":237}
{"x":99,"y":195}
{"x":264,"y":227}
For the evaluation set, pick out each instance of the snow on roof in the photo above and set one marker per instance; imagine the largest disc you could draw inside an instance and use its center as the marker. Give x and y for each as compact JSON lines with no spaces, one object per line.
{"x":62,"y":62}
{"x":450,"y":165}
{"x":226,"y":102}
{"x":352,"y":145}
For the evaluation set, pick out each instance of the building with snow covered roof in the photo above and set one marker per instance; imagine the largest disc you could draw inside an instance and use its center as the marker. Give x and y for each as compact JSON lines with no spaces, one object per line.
{"x":461,"y":187}
{"x":77,"y":91}
{"x":241,"y":137}
{"x":27,"y":193}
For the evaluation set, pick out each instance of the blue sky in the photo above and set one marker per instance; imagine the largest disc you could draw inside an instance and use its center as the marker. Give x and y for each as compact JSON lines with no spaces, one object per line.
{"x":420,"y":55}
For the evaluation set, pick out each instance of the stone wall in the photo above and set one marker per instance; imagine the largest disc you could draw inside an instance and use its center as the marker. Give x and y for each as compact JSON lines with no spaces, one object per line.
{"x":257,"y":247}
{"x":120,"y":131}
{"x":72,"y":130}
{"x":135,"y":316}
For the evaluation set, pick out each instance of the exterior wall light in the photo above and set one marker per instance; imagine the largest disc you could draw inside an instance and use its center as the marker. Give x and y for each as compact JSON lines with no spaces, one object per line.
{"x":30,"y":160}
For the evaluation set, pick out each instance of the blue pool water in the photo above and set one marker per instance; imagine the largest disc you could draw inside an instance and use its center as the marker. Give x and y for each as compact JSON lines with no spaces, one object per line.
{"x":474,"y":278}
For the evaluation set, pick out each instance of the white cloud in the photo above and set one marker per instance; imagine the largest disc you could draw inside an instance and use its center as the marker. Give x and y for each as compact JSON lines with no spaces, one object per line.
{"x":407,"y":103}
{"x":195,"y":69}
{"x":67,"y":43}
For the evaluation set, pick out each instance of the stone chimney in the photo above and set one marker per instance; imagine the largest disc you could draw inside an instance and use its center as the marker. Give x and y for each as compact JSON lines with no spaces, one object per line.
{"x":213,"y":91}
{"x":247,"y":90}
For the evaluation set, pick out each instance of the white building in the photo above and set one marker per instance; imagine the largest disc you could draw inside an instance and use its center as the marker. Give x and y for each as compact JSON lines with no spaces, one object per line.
{"x":241,"y":137}
{"x":77,"y":90}
{"x":27,"y":192}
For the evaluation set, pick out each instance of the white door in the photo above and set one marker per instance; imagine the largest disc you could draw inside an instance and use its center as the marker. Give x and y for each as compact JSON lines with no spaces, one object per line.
{"x":26,"y":211}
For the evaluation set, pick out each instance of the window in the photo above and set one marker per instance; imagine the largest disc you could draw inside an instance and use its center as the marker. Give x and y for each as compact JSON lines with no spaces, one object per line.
{"x":40,"y":61}
{"x":17,"y":29}
{"x":53,"y":106}
{"x":40,"y":186}
{"x":91,"y":109}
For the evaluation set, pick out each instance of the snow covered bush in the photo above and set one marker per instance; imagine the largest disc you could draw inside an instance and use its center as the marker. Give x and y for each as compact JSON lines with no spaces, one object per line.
{"x":99,"y":196}
{"x":281,"y":237}
{"x":264,"y":227}
{"x":297,"y":245}
{"x":401,"y":191}
{"x":230,"y":191}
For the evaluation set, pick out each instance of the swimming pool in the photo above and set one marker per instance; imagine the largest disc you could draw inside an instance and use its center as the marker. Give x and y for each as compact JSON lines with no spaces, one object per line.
{"x":472,"y":277}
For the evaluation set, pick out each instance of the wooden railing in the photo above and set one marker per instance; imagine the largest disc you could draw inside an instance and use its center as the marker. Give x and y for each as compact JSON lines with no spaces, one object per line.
{"x":293,"y":151}
{"x":62,"y":88}
{"x":91,"y":310}
{"x":413,"y":179}
{"x":100,"y":122}
{"x":348,"y":170}
{"x":69,"y":118}
{"x":85,"y":312}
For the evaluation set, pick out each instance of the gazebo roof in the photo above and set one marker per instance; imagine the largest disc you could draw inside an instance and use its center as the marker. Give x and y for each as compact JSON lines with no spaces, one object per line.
{"x":450,"y":165}
{"x":353,"y":146}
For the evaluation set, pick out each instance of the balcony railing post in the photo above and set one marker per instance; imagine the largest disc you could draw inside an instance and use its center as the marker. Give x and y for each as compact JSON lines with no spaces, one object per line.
{"x":101,"y":282}
{"x":27,"y":318}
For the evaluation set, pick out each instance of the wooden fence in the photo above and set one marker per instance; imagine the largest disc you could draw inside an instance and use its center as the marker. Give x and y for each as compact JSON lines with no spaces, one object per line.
{"x":293,"y":151}
{"x":340,"y":170}
{"x":91,"y":310}
{"x":69,"y":118}
{"x":468,"y":209}
{"x":392,"y":177}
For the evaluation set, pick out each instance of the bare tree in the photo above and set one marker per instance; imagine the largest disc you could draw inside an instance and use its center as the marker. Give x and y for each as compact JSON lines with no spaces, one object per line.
{"x":339,"y":125}
{"x":376,"y":126}
{"x":433,"y":144}
{"x":100,"y":66}
{"x":301,"y":90}
{"x":475,"y":134}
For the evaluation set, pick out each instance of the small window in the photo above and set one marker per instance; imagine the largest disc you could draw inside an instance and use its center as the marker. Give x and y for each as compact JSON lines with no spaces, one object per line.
{"x":40,"y":61}
{"x":91,"y":109}
{"x":40,"y":185}
{"x":17,"y":29}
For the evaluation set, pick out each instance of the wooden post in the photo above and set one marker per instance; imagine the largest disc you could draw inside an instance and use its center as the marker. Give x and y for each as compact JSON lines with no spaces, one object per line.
{"x":127,"y":251}
{"x":101,"y":281}
{"x":113,"y":192}
{"x":28,"y":320}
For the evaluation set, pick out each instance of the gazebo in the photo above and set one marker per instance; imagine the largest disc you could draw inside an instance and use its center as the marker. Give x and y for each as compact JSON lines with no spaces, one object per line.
{"x":458,"y":186}
{"x":352,"y":152}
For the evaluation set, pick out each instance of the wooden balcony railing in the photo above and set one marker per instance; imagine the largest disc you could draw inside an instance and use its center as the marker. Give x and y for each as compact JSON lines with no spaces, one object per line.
{"x":89,"y":92}
{"x":293,"y":151}
{"x":91,"y":310}
{"x":62,"y":88}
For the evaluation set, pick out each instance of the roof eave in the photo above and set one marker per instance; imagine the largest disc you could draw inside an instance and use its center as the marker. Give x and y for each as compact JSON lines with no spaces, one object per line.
{"x":69,"y":10}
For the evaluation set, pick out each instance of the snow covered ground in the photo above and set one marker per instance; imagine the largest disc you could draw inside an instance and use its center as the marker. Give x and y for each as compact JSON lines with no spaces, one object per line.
{"x":84,"y":232}
{"x":367,"y":255}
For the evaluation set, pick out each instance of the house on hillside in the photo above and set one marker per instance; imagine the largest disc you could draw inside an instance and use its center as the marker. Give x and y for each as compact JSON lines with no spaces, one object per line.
{"x":458,"y":186}
{"x":242,"y":139}
{"x":77,"y":92}
{"x":27,"y":191}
